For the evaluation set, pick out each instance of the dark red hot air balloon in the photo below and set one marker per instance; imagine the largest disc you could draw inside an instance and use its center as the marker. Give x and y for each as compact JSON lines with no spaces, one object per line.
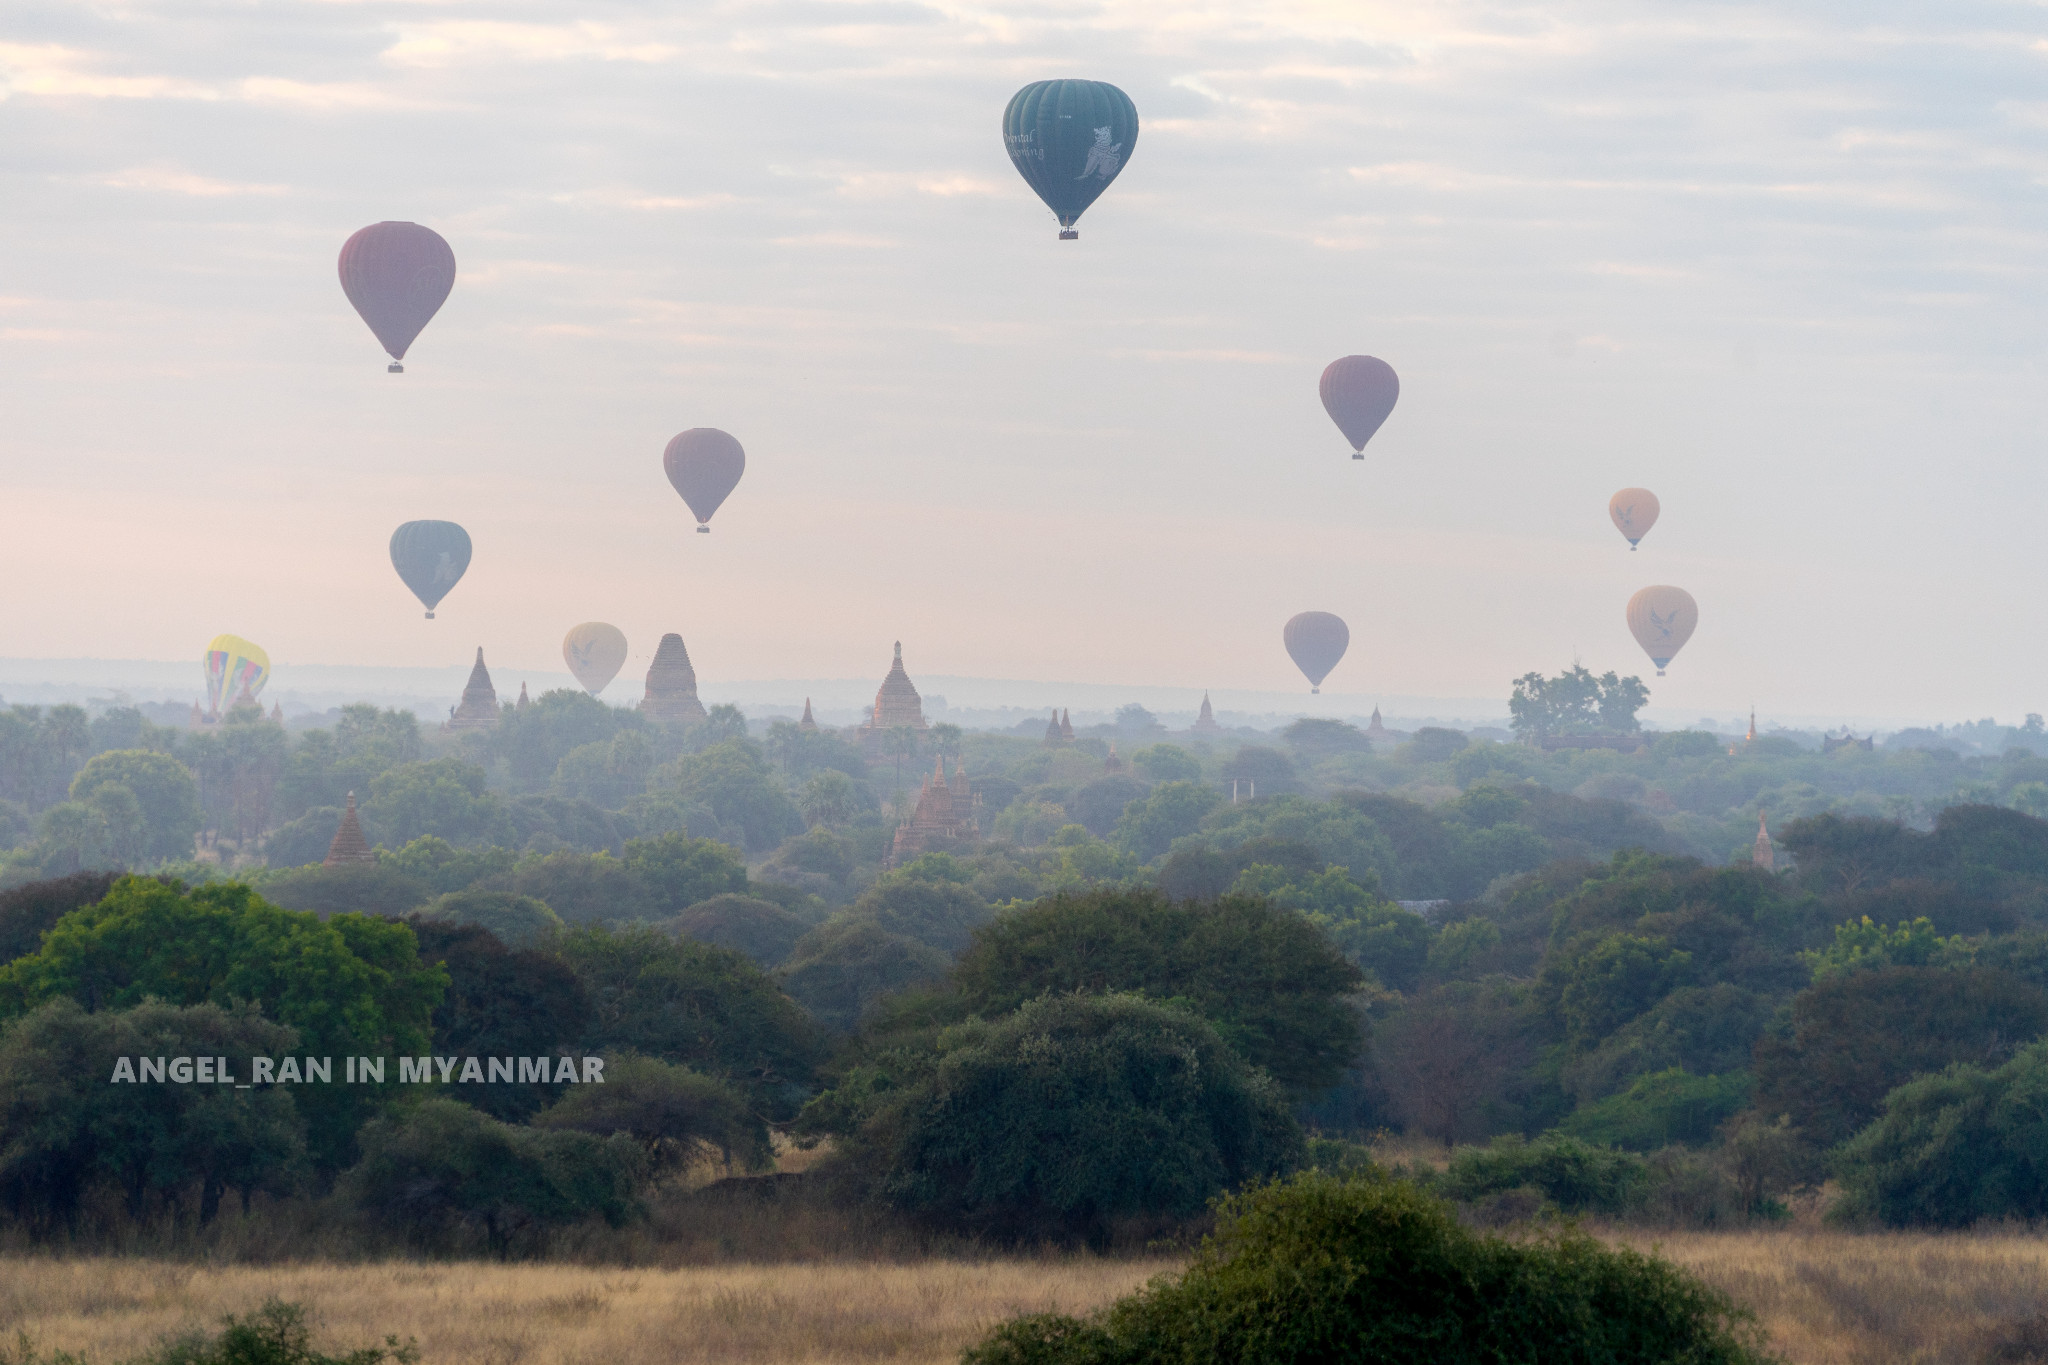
{"x":397,"y":275}
{"x":1358,"y":393}
{"x":705,"y":465}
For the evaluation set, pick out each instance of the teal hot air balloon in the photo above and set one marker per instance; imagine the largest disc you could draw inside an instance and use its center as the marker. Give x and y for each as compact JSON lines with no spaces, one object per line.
{"x":431,"y":556}
{"x":1069,"y":139}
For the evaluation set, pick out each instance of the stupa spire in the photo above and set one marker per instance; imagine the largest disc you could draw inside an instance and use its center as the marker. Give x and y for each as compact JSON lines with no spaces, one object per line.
{"x":349,"y":848}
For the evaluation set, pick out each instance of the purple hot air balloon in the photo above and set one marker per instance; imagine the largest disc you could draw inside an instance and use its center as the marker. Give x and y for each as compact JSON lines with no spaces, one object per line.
{"x":397,"y":275}
{"x":1315,"y":640}
{"x":1358,"y":393}
{"x":704,"y":464}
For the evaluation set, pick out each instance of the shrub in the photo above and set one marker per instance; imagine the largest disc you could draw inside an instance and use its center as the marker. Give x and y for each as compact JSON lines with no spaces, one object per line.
{"x":1269,"y":982}
{"x":275,"y":1334}
{"x":441,"y":1169}
{"x":1660,"y":1109}
{"x":1574,"y":1175}
{"x":1956,"y":1148}
{"x":1321,"y":1268}
{"x":516,"y":920}
{"x":1072,"y":1113}
{"x":759,"y":929}
{"x":678,"y":1116}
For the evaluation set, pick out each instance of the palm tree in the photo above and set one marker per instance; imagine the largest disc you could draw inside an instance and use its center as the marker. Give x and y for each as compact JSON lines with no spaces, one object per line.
{"x":899,"y":742}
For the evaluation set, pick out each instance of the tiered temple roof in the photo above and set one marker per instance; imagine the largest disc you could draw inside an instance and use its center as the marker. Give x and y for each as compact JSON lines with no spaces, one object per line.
{"x":1112,"y":764}
{"x":1052,"y":730}
{"x":1206,"y":721}
{"x":1377,"y":731}
{"x":672,"y":685}
{"x":478,"y":709}
{"x":1067,"y":726}
{"x":944,"y":816}
{"x":349,"y":846}
{"x":896,"y":704}
{"x":522,"y":703}
{"x":807,"y":723}
{"x":1765,"y":856}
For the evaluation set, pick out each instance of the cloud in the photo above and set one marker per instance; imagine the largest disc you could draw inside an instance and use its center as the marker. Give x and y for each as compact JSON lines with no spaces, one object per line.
{"x":57,"y":71}
{"x":452,"y":42}
{"x":168,"y":179}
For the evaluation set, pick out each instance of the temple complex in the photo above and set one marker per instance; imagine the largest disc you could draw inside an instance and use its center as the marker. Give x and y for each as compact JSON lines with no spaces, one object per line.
{"x":1053,"y":739}
{"x":1112,"y":764}
{"x":349,"y":848}
{"x":1846,"y":740}
{"x":1067,"y":726}
{"x":807,"y":723}
{"x":1377,"y":732}
{"x":672,"y":685}
{"x":1205,"y":723}
{"x":478,"y":709}
{"x":1764,"y":856}
{"x":944,"y":816}
{"x":896,"y":704}
{"x":522,"y":704}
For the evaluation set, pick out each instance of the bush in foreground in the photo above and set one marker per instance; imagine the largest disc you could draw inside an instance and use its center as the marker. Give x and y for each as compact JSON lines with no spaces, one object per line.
{"x":1370,"y":1270}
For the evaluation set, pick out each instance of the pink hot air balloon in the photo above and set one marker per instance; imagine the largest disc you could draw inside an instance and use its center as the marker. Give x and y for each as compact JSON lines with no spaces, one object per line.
{"x":1358,"y":393}
{"x":705,"y":465}
{"x":397,"y":275}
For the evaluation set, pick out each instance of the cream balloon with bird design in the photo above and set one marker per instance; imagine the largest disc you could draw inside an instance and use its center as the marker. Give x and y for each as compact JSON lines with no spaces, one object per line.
{"x":1662,"y":619}
{"x":595,"y":652}
{"x":1634,"y":511}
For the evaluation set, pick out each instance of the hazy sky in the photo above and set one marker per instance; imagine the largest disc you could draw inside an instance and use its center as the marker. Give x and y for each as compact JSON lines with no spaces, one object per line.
{"x":1782,"y":264}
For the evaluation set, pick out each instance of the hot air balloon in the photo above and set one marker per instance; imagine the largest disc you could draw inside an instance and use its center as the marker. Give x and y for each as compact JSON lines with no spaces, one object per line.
{"x":595,"y":652}
{"x":1068,"y":139}
{"x":705,"y":465}
{"x":1358,"y":393}
{"x":1316,"y":640}
{"x":431,"y":557}
{"x":234,"y":669}
{"x":1634,"y":511}
{"x":1662,"y":620}
{"x":397,"y":275}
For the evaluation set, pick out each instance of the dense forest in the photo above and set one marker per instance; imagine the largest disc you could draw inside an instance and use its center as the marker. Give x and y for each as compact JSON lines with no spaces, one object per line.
{"x":1560,"y":976}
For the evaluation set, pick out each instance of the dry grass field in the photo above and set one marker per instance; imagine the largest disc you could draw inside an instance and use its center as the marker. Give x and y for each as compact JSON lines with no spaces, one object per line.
{"x":1825,"y":1298}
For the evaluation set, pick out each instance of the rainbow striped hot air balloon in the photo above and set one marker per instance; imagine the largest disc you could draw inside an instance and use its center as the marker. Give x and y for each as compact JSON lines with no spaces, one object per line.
{"x":233,"y":666}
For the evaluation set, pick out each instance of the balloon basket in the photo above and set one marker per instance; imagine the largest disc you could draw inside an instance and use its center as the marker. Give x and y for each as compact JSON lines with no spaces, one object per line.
{"x":394,"y":368}
{"x":1357,"y":454}
{"x":1069,"y":235}
{"x":703,"y":530}
{"x":1660,"y":672}
{"x":1315,"y":691}
{"x":430,"y":616}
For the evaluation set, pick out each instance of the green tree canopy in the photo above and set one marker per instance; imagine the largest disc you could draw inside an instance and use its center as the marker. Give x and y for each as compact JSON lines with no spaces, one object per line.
{"x":678,"y":1116}
{"x":1576,"y":703}
{"x":164,"y":790}
{"x":1267,"y":979}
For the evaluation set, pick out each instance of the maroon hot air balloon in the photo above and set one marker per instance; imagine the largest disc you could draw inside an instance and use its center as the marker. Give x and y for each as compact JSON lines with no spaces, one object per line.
{"x":704,"y":464}
{"x":1358,"y":393}
{"x":397,"y":275}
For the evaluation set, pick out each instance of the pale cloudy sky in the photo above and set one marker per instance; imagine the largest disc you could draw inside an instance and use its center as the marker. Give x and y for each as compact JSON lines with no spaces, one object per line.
{"x":1782,"y":264}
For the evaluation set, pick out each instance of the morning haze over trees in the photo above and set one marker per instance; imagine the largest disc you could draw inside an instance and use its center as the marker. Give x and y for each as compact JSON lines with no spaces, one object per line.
{"x":1680,"y":978}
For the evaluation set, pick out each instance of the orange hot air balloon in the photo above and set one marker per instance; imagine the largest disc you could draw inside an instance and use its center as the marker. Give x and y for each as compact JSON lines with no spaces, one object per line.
{"x":1634,"y":511}
{"x":1662,"y":620}
{"x":705,"y":465}
{"x":595,"y":652}
{"x":1316,"y":641}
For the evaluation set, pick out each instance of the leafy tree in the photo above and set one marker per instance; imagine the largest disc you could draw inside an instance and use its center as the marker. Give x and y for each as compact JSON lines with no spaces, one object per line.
{"x":721,"y":724}
{"x":1321,"y":1268}
{"x":898,"y":743}
{"x":839,"y":970}
{"x":439,"y":1169}
{"x":761,"y":930}
{"x":1702,"y":1030}
{"x":1147,"y":827}
{"x":1961,"y":1147}
{"x":441,"y":796}
{"x":534,"y":742}
{"x":1576,"y":703}
{"x":68,"y":1129}
{"x":324,"y":766}
{"x":819,"y":861}
{"x":516,"y":920}
{"x":1855,"y":1038}
{"x":1167,"y":763}
{"x":678,"y":1116}
{"x":829,"y":799}
{"x":39,"y":752}
{"x":162,"y":787}
{"x":441,"y":867}
{"x":1072,"y":1113}
{"x":1315,"y":738}
{"x":28,"y":912}
{"x":502,"y":1002}
{"x":238,"y":765}
{"x":1863,"y":946}
{"x":680,"y":872}
{"x":1434,"y":744}
{"x":1098,"y":806}
{"x":1574,"y":1175}
{"x":1265,"y":772}
{"x":1390,"y":943}
{"x":276,"y":1334}
{"x":1661,"y":1108}
{"x":940,"y":914}
{"x":945,"y":739}
{"x":348,"y":888}
{"x":1268,"y":981}
{"x":732,"y":781}
{"x":694,"y":1005}
{"x":1449,"y":1056}
{"x":352,"y":985}
{"x":606,"y":772}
